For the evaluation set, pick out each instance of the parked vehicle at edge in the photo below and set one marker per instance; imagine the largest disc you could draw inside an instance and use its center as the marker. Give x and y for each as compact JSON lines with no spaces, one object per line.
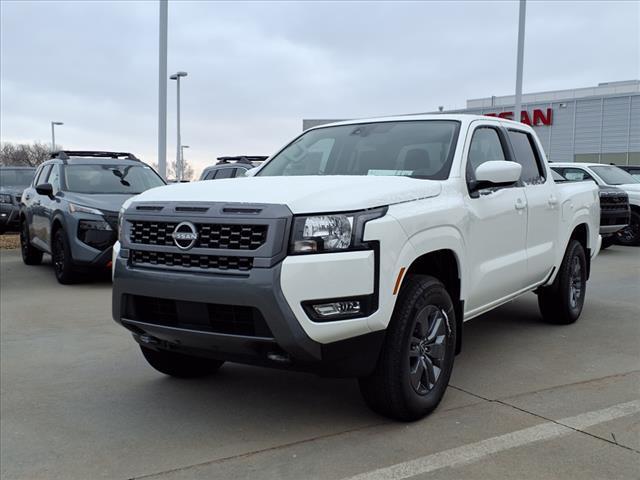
{"x":614,"y":210}
{"x":231,"y":167}
{"x":70,"y":210}
{"x":633,"y":170}
{"x":13,"y":180}
{"x":609,"y":175}
{"x":357,"y":250}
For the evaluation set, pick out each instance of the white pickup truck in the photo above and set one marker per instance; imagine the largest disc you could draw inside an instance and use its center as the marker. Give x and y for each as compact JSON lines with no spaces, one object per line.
{"x":359,"y":249}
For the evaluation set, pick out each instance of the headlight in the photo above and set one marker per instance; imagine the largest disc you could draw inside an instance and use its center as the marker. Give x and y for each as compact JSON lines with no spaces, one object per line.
{"x":74,"y":208}
{"x":331,"y":232}
{"x":4,"y":198}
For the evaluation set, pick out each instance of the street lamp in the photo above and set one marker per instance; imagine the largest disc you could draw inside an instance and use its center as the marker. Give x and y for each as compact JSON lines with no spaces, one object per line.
{"x":176,"y":76}
{"x":53,"y":135}
{"x":182,"y":147}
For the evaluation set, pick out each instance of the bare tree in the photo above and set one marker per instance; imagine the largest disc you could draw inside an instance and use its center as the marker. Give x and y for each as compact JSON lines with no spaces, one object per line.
{"x":188,"y":171}
{"x":24,"y":154}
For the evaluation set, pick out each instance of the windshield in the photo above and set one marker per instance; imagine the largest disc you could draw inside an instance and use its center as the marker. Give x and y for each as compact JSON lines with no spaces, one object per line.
{"x":420,"y":149}
{"x":126,"y":179}
{"x":613,"y":175}
{"x":16,"y":177}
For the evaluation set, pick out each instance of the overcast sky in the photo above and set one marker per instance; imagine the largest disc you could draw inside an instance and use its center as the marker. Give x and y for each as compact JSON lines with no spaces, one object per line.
{"x":257,"y":69}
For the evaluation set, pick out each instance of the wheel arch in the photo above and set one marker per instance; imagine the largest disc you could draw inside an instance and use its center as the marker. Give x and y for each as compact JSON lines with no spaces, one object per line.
{"x":580,"y":233}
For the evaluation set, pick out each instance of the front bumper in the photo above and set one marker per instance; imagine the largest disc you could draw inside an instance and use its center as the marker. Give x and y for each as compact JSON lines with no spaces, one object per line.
{"x":9,"y":215}
{"x":286,"y":343}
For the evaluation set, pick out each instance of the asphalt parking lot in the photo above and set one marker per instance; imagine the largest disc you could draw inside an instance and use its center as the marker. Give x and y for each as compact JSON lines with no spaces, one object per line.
{"x":527,"y":400}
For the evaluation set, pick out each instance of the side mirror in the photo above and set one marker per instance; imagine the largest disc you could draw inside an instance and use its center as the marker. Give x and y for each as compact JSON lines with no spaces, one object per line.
{"x":251,"y":172}
{"x":45,"y":189}
{"x":497,"y":173}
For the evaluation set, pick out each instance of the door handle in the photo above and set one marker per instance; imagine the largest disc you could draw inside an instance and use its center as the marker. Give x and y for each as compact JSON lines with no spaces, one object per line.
{"x":553,"y":201}
{"x":520,"y":204}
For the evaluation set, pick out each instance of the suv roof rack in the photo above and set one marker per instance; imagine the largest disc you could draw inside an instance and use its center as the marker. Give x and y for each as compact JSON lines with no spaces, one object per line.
{"x":242,"y":159}
{"x":66,"y":154}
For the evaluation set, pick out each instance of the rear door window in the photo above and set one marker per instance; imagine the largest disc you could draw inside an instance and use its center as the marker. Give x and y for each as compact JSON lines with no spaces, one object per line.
{"x":224,"y":173}
{"x":576,"y":175}
{"x":527,"y":155}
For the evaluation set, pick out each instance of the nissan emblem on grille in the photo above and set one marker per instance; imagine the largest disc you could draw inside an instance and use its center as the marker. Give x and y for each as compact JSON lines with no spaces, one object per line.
{"x":185,"y":235}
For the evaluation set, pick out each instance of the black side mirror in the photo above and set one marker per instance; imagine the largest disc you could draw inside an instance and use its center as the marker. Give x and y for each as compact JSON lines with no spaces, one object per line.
{"x":45,"y":189}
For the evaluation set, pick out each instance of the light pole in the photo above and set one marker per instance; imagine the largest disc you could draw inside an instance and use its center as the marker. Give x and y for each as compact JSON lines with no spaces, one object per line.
{"x":162,"y":89}
{"x":182,"y":147}
{"x":518,"y":105}
{"x":53,"y":135}
{"x":176,"y":76}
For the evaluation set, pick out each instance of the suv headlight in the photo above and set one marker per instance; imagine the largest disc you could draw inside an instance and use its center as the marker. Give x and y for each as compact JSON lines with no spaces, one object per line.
{"x":4,"y":198}
{"x":331,"y":232}
{"x":75,"y":208}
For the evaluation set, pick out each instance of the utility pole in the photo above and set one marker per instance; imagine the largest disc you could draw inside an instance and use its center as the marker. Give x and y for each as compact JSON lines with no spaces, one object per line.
{"x":521,"y":23}
{"x":182,"y":147}
{"x":162,"y":89}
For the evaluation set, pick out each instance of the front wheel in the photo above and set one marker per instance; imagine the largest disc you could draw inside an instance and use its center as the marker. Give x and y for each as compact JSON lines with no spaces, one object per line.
{"x":180,"y":365}
{"x":630,"y":235}
{"x":62,"y":260}
{"x":562,"y":302}
{"x":415,"y":364}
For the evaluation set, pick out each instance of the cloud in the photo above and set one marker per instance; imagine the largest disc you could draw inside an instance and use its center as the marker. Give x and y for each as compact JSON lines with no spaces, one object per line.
{"x":256,"y":69}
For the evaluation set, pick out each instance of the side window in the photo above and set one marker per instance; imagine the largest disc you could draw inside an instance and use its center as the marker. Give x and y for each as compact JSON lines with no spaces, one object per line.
{"x":224,"y":173}
{"x":485,"y":146}
{"x":54,"y":178}
{"x":527,"y":155}
{"x":43,"y":175}
{"x":576,"y":175}
{"x":210,"y":174}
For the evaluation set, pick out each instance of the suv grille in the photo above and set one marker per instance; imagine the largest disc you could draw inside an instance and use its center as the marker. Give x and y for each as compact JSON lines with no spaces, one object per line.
{"x":169,"y":259}
{"x":209,"y":317}
{"x":210,"y":235}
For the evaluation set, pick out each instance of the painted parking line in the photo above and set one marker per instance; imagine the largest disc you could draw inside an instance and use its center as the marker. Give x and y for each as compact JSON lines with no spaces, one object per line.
{"x":476,"y":451}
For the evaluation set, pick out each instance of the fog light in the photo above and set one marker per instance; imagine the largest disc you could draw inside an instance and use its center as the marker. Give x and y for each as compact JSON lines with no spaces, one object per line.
{"x":332,"y":309}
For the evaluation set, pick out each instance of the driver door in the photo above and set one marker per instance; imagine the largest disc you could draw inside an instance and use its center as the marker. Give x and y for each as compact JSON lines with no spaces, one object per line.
{"x":496,"y":226}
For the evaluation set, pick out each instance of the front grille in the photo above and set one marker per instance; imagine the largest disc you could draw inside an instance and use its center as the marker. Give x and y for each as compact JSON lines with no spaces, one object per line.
{"x":208,"y":317}
{"x":186,"y":260}
{"x":210,"y":235}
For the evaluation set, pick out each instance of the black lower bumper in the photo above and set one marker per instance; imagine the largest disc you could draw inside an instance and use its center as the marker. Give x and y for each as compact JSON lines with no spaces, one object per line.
{"x":284,"y":344}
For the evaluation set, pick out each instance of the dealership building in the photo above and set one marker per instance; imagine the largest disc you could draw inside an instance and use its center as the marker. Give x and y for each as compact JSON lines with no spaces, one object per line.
{"x":596,"y":124}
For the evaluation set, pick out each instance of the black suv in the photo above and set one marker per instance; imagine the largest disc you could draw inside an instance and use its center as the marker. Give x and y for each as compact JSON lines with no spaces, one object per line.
{"x":231,"y":167}
{"x":71,"y":208}
{"x":13,"y":180}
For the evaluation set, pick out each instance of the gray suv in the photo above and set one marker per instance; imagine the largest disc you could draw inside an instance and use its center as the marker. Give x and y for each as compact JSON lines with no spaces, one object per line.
{"x":13,"y":180}
{"x":231,"y":167}
{"x":71,"y":208}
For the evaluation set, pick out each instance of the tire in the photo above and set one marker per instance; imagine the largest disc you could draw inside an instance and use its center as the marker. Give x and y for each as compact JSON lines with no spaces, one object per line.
{"x":180,"y":365}
{"x":61,"y":259}
{"x":421,"y":338}
{"x":630,"y":235}
{"x":561,"y":303}
{"x":30,"y":254}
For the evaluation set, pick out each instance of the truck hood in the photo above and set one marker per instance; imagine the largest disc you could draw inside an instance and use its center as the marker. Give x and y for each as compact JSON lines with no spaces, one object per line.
{"x":108,"y":202}
{"x":302,"y":194}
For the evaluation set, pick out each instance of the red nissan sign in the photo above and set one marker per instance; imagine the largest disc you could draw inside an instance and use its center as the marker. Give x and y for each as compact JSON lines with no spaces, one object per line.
{"x":539,"y":117}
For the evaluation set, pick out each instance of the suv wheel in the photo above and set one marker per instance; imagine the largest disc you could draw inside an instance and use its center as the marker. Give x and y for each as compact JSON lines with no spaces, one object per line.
{"x":417,"y":357}
{"x":180,"y":365}
{"x":630,"y":235}
{"x":562,"y":302}
{"x":61,"y":258}
{"x":30,"y":254}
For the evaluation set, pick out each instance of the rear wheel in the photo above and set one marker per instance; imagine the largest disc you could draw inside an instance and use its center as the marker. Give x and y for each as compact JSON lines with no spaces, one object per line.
{"x":30,"y":254}
{"x":630,"y":235}
{"x":62,"y":260}
{"x":417,"y":357}
{"x":562,"y":302}
{"x":180,"y":365}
